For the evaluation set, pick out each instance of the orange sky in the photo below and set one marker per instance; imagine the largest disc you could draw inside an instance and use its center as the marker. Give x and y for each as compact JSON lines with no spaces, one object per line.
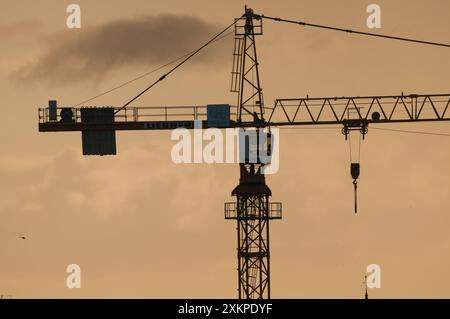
{"x":141,"y":226}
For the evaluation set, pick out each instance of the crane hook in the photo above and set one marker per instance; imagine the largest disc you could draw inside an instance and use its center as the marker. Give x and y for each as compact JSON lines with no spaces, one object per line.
{"x":354,"y":171}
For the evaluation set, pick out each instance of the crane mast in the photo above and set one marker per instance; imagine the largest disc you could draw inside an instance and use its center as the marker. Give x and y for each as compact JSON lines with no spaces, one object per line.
{"x":252,"y":209}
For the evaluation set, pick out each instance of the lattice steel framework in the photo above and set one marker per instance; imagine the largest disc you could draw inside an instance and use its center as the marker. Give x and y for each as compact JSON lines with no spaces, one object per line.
{"x":245,"y":79}
{"x":371,"y":109}
{"x":253,"y":211}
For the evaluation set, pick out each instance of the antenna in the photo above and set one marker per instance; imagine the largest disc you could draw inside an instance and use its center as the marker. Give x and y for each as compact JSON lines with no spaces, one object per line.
{"x":366,"y":295}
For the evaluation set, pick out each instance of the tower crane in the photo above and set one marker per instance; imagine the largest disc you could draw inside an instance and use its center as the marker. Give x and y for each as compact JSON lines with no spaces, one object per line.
{"x":252,"y":209}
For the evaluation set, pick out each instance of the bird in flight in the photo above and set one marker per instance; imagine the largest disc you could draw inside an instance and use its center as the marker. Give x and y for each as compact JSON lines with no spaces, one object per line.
{"x":22,"y":237}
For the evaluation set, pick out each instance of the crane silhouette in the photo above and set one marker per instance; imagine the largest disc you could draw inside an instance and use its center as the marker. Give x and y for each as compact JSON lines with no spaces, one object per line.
{"x":251,"y":209}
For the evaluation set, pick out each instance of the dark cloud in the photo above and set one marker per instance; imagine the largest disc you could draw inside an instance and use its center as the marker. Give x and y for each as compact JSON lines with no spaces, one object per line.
{"x":90,"y":53}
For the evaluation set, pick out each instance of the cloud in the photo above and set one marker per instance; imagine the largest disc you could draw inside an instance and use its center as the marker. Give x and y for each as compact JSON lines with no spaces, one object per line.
{"x":20,"y":29}
{"x":90,"y":53}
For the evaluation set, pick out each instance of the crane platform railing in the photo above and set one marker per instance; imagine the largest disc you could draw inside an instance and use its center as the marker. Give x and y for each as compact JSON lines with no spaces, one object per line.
{"x":129,"y":118}
{"x":231,"y":211}
{"x":139,"y":113}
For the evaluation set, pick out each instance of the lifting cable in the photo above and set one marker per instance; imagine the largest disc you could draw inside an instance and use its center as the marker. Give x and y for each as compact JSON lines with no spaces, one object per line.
{"x":219,"y":37}
{"x":146,"y":73}
{"x":161,"y":78}
{"x":355,"y":167}
{"x":302,"y":23}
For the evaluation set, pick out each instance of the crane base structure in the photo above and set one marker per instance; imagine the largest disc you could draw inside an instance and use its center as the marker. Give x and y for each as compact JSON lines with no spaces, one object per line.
{"x":253,"y":211}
